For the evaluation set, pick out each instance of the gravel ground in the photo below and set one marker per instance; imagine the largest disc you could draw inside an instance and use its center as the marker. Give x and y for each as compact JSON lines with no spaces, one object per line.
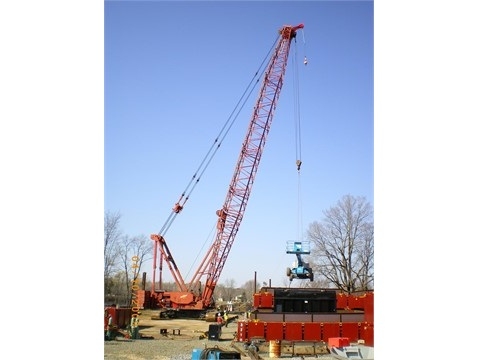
{"x":169,"y":346}
{"x":157,"y":349}
{"x":176,"y":350}
{"x":180,"y":348}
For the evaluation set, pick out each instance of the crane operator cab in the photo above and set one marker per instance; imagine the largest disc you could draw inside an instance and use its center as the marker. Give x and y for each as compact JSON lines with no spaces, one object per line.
{"x":301,"y":269}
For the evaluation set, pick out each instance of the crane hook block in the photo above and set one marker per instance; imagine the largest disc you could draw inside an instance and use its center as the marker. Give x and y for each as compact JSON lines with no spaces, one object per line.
{"x":298,"y":164}
{"x":305,"y":61}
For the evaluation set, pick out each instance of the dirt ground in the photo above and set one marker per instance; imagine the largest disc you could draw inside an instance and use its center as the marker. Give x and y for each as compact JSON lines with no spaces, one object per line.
{"x":195,"y":333}
{"x":189,"y":329}
{"x":185,"y":328}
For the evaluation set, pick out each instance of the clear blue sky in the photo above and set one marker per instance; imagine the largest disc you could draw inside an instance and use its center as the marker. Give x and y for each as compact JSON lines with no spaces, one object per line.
{"x":173,"y":74}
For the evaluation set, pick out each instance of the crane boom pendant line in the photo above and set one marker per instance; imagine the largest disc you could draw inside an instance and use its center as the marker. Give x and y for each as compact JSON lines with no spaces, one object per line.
{"x":239,"y":190}
{"x":185,"y":195}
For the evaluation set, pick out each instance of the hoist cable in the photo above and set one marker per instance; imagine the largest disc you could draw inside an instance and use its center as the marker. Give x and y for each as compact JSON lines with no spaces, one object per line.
{"x":218,"y":141}
{"x":297,"y":116}
{"x":297,"y":130}
{"x":300,"y":209}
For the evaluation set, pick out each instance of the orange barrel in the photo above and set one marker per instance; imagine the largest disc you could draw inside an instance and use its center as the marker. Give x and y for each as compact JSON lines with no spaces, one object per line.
{"x":274,"y":348}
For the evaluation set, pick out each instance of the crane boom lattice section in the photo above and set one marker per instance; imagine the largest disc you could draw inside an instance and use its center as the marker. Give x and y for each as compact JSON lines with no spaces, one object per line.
{"x":231,"y":214}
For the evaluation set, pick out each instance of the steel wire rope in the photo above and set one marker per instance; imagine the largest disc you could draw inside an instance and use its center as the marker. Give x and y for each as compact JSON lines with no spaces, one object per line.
{"x":305,"y":61}
{"x":225,"y":130}
{"x":217,"y":143}
{"x":200,"y":251}
{"x":297,"y":132}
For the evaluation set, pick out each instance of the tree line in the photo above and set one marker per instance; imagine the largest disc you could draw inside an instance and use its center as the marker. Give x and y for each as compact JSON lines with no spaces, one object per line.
{"x":342,"y":254}
{"x":119,"y":249}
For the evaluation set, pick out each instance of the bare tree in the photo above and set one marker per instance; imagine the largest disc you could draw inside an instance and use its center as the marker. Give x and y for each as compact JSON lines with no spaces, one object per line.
{"x":343,"y":251}
{"x":112,"y":235}
{"x":229,"y":289}
{"x":365,"y":273}
{"x":249,"y":289}
{"x":134,"y":252}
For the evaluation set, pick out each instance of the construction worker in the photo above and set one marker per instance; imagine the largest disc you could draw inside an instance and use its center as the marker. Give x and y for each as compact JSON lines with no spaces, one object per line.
{"x":109,"y":331}
{"x":226,"y":319}
{"x":219,"y":319}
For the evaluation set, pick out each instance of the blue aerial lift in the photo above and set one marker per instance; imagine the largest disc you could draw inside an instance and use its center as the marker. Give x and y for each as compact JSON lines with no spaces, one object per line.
{"x":302,"y":269}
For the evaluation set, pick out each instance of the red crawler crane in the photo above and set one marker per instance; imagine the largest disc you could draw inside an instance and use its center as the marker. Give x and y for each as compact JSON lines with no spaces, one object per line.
{"x":192,"y":299}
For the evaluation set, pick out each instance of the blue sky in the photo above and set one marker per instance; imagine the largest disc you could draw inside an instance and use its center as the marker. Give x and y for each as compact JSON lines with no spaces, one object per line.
{"x":173,"y":74}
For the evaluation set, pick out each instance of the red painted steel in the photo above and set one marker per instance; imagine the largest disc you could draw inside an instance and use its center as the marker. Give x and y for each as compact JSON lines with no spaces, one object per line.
{"x":360,"y":331}
{"x":256,"y":329}
{"x":356,"y":302}
{"x":312,"y":331}
{"x":242,"y":331}
{"x":350,"y":330}
{"x":355,"y":325}
{"x":257,"y":300}
{"x":274,"y":331}
{"x":263,"y":301}
{"x":341,"y":301}
{"x":369,"y":308}
{"x":293,"y":331}
{"x":367,"y":333}
{"x":338,"y":342}
{"x":329,"y":330}
{"x":121,"y":317}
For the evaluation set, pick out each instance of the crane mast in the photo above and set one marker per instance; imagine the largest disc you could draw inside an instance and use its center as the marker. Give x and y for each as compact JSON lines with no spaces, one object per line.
{"x":231,"y":214}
